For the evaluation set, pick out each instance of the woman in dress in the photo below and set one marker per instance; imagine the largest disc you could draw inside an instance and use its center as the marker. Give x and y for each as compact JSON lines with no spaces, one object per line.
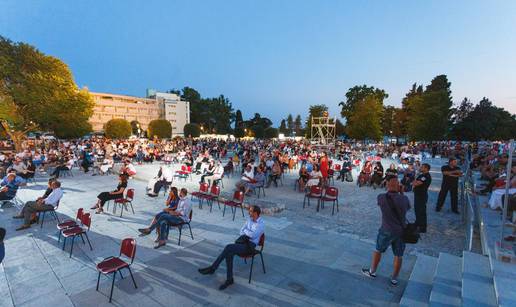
{"x":315,"y":177}
{"x":116,"y":194}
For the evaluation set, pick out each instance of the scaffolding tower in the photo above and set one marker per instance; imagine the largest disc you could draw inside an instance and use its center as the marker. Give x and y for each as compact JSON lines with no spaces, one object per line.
{"x":323,"y":131}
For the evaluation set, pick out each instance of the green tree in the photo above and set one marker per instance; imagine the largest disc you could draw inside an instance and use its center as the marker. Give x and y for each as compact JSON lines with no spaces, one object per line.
{"x":389,"y":118}
{"x":271,"y":133}
{"x":117,"y":128}
{"x":429,"y":113}
{"x":357,"y":94}
{"x":298,"y":126}
{"x":283,"y":127}
{"x":192,"y":130}
{"x":314,"y":111}
{"x":194,"y":98}
{"x":135,"y":125}
{"x":239,"y":120}
{"x":160,"y":128}
{"x":290,"y":125}
{"x":40,"y":92}
{"x":340,"y":129}
{"x":258,"y":131}
{"x":364,"y":122}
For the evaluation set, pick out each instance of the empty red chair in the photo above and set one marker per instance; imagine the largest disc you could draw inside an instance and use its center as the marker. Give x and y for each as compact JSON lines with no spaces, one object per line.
{"x":76,"y":231}
{"x":237,"y":201}
{"x":116,"y":264}
{"x":213,"y":196}
{"x":255,"y":252}
{"x":69,"y":223}
{"x":315,"y":192}
{"x":331,"y":194}
{"x":203,"y":190}
{"x":122,"y":202}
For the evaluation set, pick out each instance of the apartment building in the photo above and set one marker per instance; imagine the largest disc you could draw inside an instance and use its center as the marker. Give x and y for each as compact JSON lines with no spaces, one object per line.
{"x":155,"y":106}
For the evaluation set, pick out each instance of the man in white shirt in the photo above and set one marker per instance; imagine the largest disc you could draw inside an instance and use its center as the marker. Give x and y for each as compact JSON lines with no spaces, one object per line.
{"x":173,"y":218}
{"x":164,"y":177}
{"x":43,"y":204}
{"x":247,"y":176}
{"x":253,"y":230}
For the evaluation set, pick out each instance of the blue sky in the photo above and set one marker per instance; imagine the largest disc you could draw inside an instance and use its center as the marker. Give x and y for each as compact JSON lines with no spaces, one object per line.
{"x":276,"y":57}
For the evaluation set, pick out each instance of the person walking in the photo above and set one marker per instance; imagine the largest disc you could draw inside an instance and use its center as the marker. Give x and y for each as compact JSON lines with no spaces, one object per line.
{"x":451,"y":174}
{"x":394,"y":207}
{"x":420,"y":185}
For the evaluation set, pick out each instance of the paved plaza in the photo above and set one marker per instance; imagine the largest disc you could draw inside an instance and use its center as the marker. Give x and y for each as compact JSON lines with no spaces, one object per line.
{"x":311,"y":259}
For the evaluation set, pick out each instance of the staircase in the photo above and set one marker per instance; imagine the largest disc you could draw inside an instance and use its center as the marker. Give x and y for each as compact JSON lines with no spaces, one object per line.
{"x":450,"y":281}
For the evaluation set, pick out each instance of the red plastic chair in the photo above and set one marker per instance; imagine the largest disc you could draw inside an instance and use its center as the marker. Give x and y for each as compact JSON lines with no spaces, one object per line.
{"x":203,"y":190}
{"x":237,"y":201}
{"x":337,"y":167}
{"x":52,"y":212}
{"x":315,"y":192}
{"x":213,"y":196}
{"x":76,"y":231}
{"x":116,"y":264}
{"x":69,"y":223}
{"x":331,"y":194}
{"x":255,"y":252}
{"x":128,"y":199}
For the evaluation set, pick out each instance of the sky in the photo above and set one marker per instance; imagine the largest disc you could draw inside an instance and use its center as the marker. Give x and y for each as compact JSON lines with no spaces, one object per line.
{"x":276,"y":57}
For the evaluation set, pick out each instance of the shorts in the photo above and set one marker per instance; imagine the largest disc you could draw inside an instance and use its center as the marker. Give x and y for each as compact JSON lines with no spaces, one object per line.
{"x":385,"y":238}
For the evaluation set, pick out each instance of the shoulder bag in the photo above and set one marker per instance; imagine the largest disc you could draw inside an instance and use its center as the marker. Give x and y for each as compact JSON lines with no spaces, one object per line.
{"x":410,"y":231}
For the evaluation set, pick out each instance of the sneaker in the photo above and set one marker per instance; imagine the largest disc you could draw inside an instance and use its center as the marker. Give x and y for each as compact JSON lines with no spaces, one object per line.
{"x":394,"y":281}
{"x":368,"y":273}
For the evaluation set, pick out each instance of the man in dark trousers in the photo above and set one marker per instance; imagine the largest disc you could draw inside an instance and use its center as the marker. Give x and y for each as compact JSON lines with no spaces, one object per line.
{"x":451,"y":174}
{"x":421,"y":184}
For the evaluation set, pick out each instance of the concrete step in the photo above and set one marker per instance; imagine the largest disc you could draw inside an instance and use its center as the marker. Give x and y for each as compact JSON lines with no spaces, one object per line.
{"x":417,"y":292}
{"x":477,"y":281}
{"x":446,"y":288}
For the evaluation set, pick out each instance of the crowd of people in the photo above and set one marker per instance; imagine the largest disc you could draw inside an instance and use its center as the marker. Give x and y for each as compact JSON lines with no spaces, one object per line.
{"x":258,"y":164}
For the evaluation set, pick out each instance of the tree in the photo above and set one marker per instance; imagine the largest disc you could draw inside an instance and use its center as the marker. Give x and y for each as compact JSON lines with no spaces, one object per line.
{"x":271,"y":133}
{"x":429,"y":113}
{"x":283,"y":127}
{"x":357,"y":94}
{"x":239,"y":120}
{"x":482,"y":122}
{"x":461,"y":112}
{"x":340,"y":129}
{"x":194,"y":98}
{"x":298,"y":126}
{"x":290,"y":125}
{"x":160,"y":128}
{"x":364,"y":122}
{"x":314,"y":111}
{"x":192,"y":130}
{"x":117,"y":128}
{"x":39,"y":92}
{"x":258,"y":131}
{"x":389,"y":118}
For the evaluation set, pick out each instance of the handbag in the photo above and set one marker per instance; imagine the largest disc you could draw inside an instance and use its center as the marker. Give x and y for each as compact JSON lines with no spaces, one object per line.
{"x":410,"y":231}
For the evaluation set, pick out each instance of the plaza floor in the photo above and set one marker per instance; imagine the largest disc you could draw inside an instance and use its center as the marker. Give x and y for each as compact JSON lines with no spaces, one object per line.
{"x":312,"y":259}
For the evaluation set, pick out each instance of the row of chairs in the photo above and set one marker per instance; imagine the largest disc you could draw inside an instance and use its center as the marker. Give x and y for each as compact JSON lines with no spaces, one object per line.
{"x":330,"y":194}
{"x":213,"y":194}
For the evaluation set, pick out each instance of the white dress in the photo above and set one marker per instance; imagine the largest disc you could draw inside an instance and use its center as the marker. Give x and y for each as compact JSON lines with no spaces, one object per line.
{"x":315,"y":180}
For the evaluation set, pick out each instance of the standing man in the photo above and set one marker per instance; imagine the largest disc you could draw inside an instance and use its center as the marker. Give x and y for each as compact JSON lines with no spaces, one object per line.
{"x":394,"y":207}
{"x":421,"y":184}
{"x":451,"y":174}
{"x":253,"y":230}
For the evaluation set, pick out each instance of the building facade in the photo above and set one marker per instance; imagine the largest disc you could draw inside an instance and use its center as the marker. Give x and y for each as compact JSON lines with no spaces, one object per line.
{"x":144,"y":110}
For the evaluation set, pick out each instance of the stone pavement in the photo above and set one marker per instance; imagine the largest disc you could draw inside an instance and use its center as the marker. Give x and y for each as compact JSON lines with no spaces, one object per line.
{"x":308,"y":262}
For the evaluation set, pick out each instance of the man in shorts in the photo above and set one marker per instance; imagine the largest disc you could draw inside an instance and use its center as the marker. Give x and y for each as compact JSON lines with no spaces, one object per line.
{"x":394,"y":207}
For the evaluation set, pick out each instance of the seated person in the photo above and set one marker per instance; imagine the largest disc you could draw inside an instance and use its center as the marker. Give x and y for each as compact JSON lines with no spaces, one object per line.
{"x":116,"y":194}
{"x":346,"y":168}
{"x":164,"y":178}
{"x":303,"y":178}
{"x":208,"y":171}
{"x":274,"y":174}
{"x":28,"y":213}
{"x":228,"y":168}
{"x":247,"y":176}
{"x":128,"y":169}
{"x":107,"y":164}
{"x":9,"y":186}
{"x":66,"y":165}
{"x":377,"y":178}
{"x":249,"y":238}
{"x":171,"y":218}
{"x":315,"y":177}
{"x":218,"y":172}
{"x":171,"y":205}
{"x":258,"y":181}
{"x":20,"y":168}
{"x":365,"y":175}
